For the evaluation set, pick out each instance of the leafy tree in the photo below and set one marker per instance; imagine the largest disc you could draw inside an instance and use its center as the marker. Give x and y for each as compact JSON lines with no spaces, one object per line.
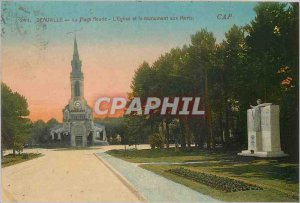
{"x":273,"y":39}
{"x":52,"y":122}
{"x":229,"y":87}
{"x":39,"y":130}
{"x":203,"y":56}
{"x":113,"y":126}
{"x":133,"y":129}
{"x":259,"y":60}
{"x":15,"y":126}
{"x":142,"y":82}
{"x":156,"y":141}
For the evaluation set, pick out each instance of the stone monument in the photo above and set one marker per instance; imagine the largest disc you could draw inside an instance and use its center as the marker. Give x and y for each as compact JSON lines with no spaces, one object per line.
{"x":263,"y":131}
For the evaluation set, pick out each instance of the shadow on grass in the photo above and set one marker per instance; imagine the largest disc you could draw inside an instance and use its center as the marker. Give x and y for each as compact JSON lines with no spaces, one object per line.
{"x":222,"y":161}
{"x":268,"y":170}
{"x":160,"y":153}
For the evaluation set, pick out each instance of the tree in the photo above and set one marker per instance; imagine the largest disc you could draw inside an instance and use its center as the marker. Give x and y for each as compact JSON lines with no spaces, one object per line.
{"x":259,"y":60}
{"x":142,"y":81}
{"x":39,"y":130}
{"x":203,"y":54}
{"x":273,"y":57}
{"x":133,"y":129}
{"x":230,"y":82}
{"x":113,"y":126}
{"x":15,"y":125}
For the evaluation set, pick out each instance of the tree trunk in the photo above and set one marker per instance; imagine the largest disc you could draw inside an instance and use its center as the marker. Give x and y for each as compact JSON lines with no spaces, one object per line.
{"x":225,"y":105}
{"x":221,"y":128}
{"x":226,"y":127}
{"x":163,"y":131}
{"x":197,"y":135}
{"x":210,"y":141}
{"x":182,"y":140}
{"x":188,"y":133}
{"x":151,"y":124}
{"x":167,"y":134}
{"x":201,"y":133}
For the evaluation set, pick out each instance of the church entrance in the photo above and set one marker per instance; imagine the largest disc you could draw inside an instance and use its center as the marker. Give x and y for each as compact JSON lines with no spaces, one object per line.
{"x":78,"y":141}
{"x":78,"y":131}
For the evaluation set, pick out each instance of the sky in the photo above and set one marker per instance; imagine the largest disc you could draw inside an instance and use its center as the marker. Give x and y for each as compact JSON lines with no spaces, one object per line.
{"x":36,"y":55}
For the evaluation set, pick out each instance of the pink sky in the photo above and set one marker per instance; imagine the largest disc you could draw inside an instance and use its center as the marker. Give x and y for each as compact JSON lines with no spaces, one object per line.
{"x":42,"y":75}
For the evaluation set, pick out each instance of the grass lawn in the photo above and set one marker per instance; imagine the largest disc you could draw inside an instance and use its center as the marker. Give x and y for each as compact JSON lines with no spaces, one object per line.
{"x":278,"y":177}
{"x":77,"y":148}
{"x":10,"y":159}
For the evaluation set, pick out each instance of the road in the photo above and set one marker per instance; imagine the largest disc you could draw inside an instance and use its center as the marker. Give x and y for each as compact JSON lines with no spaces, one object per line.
{"x":64,"y":176}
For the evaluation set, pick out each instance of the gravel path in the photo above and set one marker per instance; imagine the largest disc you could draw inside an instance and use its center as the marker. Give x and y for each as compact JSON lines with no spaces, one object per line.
{"x":64,"y":176}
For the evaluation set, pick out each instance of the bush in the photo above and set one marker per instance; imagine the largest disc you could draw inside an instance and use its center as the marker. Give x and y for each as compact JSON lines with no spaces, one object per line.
{"x":18,"y":146}
{"x":217,"y":182}
{"x":25,"y":156}
{"x":116,"y":140}
{"x":156,"y":141}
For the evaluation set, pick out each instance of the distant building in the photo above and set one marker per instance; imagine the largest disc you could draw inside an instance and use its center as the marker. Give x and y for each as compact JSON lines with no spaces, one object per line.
{"x":78,"y":127}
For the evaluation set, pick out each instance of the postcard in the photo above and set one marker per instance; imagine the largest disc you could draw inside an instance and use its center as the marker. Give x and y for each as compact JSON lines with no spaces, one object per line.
{"x":149,"y":101}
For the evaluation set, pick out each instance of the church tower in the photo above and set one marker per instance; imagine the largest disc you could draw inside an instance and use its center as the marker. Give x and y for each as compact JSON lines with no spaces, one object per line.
{"x":78,"y":118}
{"x":76,"y":76}
{"x":78,"y":123}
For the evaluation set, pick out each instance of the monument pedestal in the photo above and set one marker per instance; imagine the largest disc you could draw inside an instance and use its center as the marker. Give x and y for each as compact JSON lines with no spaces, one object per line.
{"x":262,"y":154}
{"x":264,"y":140}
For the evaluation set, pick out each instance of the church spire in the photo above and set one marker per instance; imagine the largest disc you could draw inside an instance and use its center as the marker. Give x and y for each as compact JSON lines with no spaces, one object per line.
{"x":76,"y":63}
{"x":75,"y":53}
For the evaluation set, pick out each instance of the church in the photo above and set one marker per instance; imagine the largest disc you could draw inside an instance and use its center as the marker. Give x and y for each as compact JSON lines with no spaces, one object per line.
{"x":78,"y":127}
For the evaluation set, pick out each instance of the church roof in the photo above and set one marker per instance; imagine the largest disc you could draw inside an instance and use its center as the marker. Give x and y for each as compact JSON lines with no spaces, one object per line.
{"x":57,"y":126}
{"x":99,"y":125}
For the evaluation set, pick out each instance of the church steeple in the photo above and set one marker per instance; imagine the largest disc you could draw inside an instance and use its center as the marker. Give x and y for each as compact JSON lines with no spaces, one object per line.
{"x":76,"y":75}
{"x":76,"y":63}
{"x":75,"y":53}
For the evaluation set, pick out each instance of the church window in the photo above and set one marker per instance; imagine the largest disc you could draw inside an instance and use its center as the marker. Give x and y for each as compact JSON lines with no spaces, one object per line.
{"x":77,"y":89}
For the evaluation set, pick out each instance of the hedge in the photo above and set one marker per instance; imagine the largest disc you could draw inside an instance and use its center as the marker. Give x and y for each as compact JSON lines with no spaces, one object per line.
{"x":221,"y":183}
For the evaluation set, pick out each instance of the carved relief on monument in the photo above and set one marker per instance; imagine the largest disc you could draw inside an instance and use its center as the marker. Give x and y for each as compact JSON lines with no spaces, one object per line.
{"x":265,"y":119}
{"x":252,"y":142}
